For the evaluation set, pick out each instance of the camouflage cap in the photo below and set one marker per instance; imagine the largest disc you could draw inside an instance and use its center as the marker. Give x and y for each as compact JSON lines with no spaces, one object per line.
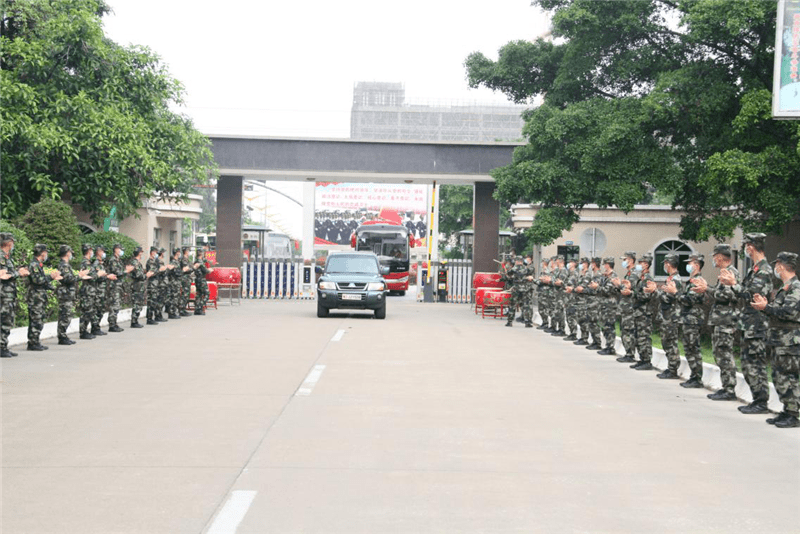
{"x":560,"y":257}
{"x":176,"y":250}
{"x":86,"y":247}
{"x":7,"y":236}
{"x":787,"y":258}
{"x":755,"y":239}
{"x":39,"y":248}
{"x":723,"y":249}
{"x":553,"y":258}
{"x":585,"y":260}
{"x":597,"y":260}
{"x":628,"y":254}
{"x":672,"y":259}
{"x":186,"y":249}
{"x":98,"y":248}
{"x":153,"y":249}
{"x":648,"y":258}
{"x":137,"y":251}
{"x":63,"y":250}
{"x":609,"y":260}
{"x":116,"y":246}
{"x":519,"y":259}
{"x":699,"y":258}
{"x":162,"y":250}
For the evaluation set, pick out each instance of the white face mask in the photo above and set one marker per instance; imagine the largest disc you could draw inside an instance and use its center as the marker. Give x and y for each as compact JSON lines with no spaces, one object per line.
{"x":625,"y":263}
{"x":121,"y":253}
{"x":103,"y":255}
{"x":689,"y":268}
{"x":638,"y":268}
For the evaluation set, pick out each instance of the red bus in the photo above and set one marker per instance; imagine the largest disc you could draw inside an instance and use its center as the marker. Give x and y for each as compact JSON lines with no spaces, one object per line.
{"x":390,"y":242}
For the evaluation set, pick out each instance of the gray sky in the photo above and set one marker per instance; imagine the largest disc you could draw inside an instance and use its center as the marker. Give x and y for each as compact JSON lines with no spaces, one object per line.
{"x":288,"y":68}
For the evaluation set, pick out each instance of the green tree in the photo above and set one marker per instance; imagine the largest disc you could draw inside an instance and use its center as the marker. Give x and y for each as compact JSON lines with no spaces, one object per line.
{"x":455,"y":209}
{"x":52,"y":223}
{"x":650,"y":95}
{"x":85,"y":119}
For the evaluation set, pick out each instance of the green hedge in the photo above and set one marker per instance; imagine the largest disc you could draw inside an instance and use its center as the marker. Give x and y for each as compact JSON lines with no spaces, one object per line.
{"x":52,"y":223}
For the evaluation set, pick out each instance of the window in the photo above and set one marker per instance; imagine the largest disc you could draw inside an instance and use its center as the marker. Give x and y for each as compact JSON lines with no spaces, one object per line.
{"x":157,"y":237}
{"x":679,"y":248}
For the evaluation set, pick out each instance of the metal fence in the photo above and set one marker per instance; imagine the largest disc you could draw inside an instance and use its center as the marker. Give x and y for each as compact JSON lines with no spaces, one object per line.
{"x":459,"y":280}
{"x":276,"y":279}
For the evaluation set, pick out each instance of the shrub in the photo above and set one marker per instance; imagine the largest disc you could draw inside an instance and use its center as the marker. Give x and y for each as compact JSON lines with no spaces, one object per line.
{"x":52,"y":223}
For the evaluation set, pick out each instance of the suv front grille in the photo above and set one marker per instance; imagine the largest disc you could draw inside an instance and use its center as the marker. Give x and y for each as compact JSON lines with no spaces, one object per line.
{"x":351,"y":286}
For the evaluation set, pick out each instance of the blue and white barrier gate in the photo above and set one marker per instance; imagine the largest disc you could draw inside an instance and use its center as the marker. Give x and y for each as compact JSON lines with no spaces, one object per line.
{"x":276,"y":279}
{"x":459,"y":281}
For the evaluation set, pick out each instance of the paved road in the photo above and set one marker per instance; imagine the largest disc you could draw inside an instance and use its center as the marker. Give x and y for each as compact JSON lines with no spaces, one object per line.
{"x":430,"y":421}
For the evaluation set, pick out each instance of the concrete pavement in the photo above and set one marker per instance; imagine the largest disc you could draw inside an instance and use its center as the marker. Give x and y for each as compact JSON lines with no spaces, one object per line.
{"x":430,"y":421}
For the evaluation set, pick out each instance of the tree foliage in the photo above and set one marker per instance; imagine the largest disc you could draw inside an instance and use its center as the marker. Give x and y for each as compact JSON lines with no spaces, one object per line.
{"x":455,"y":209}
{"x":85,"y":119}
{"x":671,"y":95}
{"x":52,"y":223}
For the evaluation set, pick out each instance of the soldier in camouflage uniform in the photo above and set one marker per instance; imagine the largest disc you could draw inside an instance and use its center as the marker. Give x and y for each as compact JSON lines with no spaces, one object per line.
{"x":559,"y":300}
{"x":163,"y":286}
{"x":669,"y":315}
{"x":66,"y":293}
{"x":593,"y":304}
{"x":724,"y":318}
{"x":8,"y":292}
{"x":784,"y":336}
{"x":643,"y":293}
{"x":174,"y":274}
{"x":692,"y":319}
{"x":581,"y":301}
{"x":753,"y":324}
{"x":152,"y":268}
{"x":116,"y":274}
{"x":627,"y":324}
{"x":187,"y":276}
{"x":100,"y":290}
{"x":571,"y":299}
{"x":543,"y":303}
{"x":39,"y":284}
{"x":201,"y":285}
{"x":607,"y":294}
{"x":87,"y":293}
{"x":138,"y":280}
{"x":519,"y":278}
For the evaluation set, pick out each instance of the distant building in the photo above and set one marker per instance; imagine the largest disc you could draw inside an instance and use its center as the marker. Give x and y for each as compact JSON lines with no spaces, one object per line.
{"x":380,"y":111}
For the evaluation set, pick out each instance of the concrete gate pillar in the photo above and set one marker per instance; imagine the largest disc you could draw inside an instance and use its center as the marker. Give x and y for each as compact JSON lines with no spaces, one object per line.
{"x":229,"y":221}
{"x":486,"y":211}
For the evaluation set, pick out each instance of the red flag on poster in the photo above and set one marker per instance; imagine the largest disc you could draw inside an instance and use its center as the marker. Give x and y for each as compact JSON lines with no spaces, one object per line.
{"x":392,"y":216}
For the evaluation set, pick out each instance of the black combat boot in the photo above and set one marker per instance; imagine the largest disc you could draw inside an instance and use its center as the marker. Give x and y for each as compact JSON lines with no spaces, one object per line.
{"x":185,"y":313}
{"x":607,"y":351}
{"x":780,"y":417}
{"x":509,"y":323}
{"x":116,"y":328}
{"x":559,"y":333}
{"x":571,"y":337}
{"x":790,"y":421}
{"x":722,"y":395}
{"x":626,"y":359}
{"x":642,"y":366}
{"x":593,"y":346}
{"x":36,"y":347}
{"x":668,"y":374}
{"x":5,"y":353}
{"x":173,"y":316}
{"x":580,"y":342}
{"x":98,"y":332}
{"x":693,"y":383}
{"x":755,"y":407}
{"x":86,"y":335}
{"x":528,"y":325}
{"x":65,"y":341}
{"x":136,"y":325}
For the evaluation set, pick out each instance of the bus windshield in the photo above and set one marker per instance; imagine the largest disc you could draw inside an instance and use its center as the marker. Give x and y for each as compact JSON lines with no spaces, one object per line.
{"x":390,"y":244}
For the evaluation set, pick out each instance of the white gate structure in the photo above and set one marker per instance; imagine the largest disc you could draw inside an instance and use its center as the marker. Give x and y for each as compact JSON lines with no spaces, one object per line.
{"x":276,"y":279}
{"x":459,"y":280}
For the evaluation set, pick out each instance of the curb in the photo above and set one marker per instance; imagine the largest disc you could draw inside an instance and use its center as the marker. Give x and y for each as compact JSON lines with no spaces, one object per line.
{"x":711,"y":374}
{"x":19,"y":335}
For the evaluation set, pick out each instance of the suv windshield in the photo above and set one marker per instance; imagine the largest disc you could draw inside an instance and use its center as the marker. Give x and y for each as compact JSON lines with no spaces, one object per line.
{"x":352,"y":264}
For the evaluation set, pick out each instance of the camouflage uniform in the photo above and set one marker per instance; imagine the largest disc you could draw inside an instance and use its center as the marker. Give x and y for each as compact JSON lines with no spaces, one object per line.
{"x":784,"y":336}
{"x":174,"y":284}
{"x":627,"y":323}
{"x":543,"y":296}
{"x":8,"y":300}
{"x":114,"y":266}
{"x":643,"y":315}
{"x":152,"y":289}
{"x":559,"y":300}
{"x":572,"y":303}
{"x":582,"y":303}
{"x":692,"y":319}
{"x":669,"y":316}
{"x":138,"y":280}
{"x":163,"y":287}
{"x":607,"y":296}
{"x":99,"y":297}
{"x":754,"y":326}
{"x":201,"y":285}
{"x":724,"y":317}
{"x":37,"y":300}
{"x":186,"y":283}
{"x":593,"y":307}
{"x":87,"y":297}
{"x":520,"y":290}
{"x":66,"y":293}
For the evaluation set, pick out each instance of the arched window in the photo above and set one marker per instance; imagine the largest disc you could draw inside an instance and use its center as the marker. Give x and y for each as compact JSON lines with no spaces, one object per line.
{"x":673,"y":246}
{"x":86,"y":229}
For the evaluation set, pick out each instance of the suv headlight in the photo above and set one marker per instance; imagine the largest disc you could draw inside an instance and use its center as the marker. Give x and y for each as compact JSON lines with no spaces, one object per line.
{"x":327,"y":285}
{"x":376,"y":286}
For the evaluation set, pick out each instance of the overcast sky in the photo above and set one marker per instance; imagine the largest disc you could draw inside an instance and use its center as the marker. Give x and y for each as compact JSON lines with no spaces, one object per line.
{"x":288,"y":68}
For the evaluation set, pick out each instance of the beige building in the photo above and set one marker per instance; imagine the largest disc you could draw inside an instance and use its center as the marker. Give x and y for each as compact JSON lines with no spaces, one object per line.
{"x":611,"y":232}
{"x":157,"y":223}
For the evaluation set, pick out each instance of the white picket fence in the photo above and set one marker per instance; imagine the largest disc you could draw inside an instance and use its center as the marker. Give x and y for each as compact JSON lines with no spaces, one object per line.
{"x":276,"y":279}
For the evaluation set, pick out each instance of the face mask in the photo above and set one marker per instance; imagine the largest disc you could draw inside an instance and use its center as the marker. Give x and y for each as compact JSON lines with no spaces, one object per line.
{"x":625,"y":263}
{"x":638,"y":268}
{"x":778,"y":274}
{"x":44,"y":258}
{"x":689,"y":268}
{"x":103,"y":255}
{"x":121,"y":253}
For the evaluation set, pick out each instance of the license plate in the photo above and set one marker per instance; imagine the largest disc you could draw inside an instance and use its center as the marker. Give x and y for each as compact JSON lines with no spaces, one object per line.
{"x":351,"y":297}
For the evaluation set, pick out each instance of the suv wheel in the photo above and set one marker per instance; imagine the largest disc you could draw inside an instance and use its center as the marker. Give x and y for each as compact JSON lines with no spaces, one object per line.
{"x":380,"y":313}
{"x":322,"y":311}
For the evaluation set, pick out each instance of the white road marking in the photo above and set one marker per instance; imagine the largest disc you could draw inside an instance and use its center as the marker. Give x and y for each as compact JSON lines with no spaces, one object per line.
{"x":311,"y":380}
{"x":338,"y":335}
{"x":228,"y":519}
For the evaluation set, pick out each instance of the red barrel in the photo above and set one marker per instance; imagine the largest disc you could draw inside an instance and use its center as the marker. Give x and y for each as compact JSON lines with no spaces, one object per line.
{"x":480,"y":295}
{"x":225,"y":275}
{"x":487,"y":280}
